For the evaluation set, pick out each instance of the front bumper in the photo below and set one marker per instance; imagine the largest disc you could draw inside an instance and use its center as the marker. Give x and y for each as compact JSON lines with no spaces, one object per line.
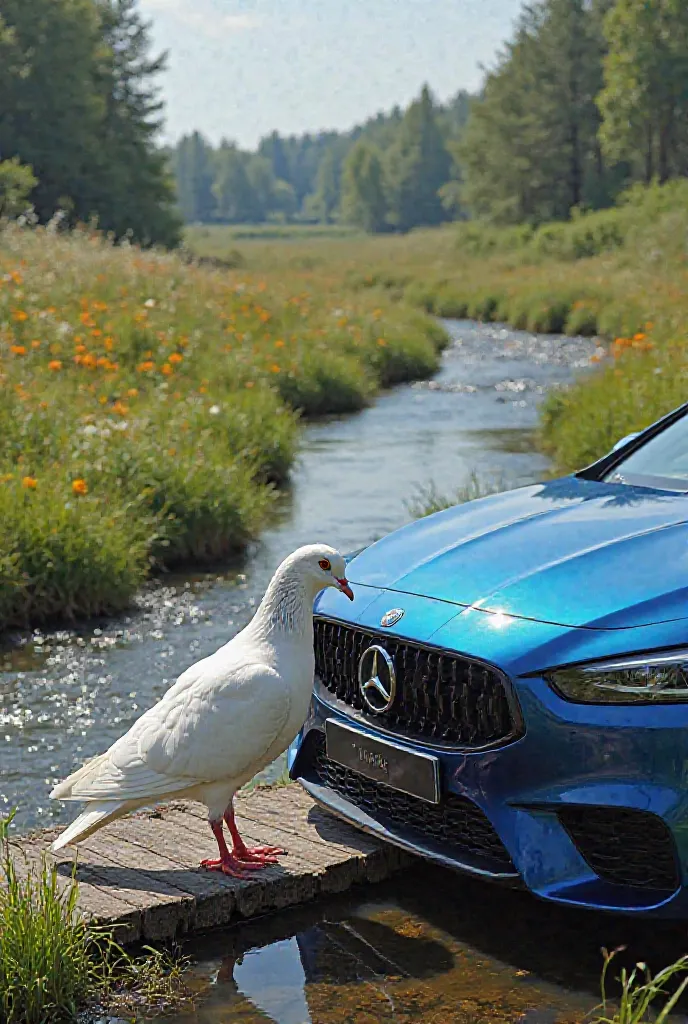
{"x":589,"y":807}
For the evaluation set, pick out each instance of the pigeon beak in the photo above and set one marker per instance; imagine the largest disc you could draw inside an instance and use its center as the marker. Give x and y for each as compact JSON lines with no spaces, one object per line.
{"x":345,"y":588}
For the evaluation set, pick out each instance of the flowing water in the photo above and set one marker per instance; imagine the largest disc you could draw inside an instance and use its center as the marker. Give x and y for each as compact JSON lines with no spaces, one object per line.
{"x":65,"y":696}
{"x":428,"y":946}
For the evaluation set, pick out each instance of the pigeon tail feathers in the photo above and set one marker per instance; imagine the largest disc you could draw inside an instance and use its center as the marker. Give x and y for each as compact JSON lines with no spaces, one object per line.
{"x":97,"y":815}
{"x":63,"y":790}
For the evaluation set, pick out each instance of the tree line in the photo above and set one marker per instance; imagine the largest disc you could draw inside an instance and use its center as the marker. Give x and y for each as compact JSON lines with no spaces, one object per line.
{"x":79,"y":117}
{"x":587,"y":98}
{"x":395,"y":171}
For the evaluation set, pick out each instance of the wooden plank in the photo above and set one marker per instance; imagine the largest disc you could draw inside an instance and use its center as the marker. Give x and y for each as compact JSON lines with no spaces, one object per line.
{"x":97,"y":904}
{"x":141,"y":874}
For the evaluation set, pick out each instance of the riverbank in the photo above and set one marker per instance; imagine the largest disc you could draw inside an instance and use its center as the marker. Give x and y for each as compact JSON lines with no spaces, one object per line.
{"x":150,"y":408}
{"x":66,"y":695}
{"x":618,"y":274}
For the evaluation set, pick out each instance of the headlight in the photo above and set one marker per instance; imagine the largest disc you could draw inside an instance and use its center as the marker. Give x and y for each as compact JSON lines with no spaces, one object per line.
{"x":640,"y":679}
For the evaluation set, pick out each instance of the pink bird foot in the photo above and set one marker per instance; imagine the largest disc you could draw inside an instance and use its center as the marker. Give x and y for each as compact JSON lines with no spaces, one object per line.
{"x":257,"y":856}
{"x":232,"y":867}
{"x":250,"y":855}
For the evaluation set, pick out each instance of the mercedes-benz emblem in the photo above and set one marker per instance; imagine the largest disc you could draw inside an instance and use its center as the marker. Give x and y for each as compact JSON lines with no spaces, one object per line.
{"x":377,"y":679}
{"x":391,"y":617}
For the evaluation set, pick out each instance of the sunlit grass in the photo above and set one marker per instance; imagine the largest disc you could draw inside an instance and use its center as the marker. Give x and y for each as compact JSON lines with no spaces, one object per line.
{"x":53,"y":963}
{"x":149,"y":406}
{"x":641,"y":991}
{"x":431,"y":499}
{"x":619,"y":275}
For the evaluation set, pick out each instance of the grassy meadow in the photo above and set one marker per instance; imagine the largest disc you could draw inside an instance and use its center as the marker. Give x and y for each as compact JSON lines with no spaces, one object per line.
{"x":150,"y":406}
{"x":621,"y":274}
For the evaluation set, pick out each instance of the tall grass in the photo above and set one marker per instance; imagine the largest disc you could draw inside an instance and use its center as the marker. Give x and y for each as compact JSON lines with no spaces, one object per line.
{"x":640,"y":992}
{"x":617,"y":274}
{"x":53,"y":963}
{"x":149,"y":406}
{"x":431,"y":499}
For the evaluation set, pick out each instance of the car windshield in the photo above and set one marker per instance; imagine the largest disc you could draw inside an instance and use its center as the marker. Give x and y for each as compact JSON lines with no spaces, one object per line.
{"x":662,"y":462}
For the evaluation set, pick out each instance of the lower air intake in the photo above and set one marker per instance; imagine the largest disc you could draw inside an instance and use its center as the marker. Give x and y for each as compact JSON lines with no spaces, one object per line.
{"x":624,"y":846}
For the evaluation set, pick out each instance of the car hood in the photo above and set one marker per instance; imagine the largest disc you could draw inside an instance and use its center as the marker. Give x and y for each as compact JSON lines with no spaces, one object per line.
{"x":572,"y":552}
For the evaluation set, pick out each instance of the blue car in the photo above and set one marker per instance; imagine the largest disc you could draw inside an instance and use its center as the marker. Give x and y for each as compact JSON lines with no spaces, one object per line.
{"x":508,"y":693}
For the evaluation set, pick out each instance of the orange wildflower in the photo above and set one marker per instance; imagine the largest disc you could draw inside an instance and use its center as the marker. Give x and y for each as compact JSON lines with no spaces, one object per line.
{"x":30,"y":483}
{"x":381,"y":342}
{"x":108,"y":343}
{"x":79,"y":486}
{"x":121,"y":408}
{"x":18,"y":350}
{"x":54,"y":364}
{"x":20,"y":315}
{"x":279,"y":343}
{"x":146,"y":366}
{"x":274,"y":368}
{"x":176,"y":357}
{"x":102,"y":399}
{"x":167,"y":369}
{"x":89,"y":360}
{"x":35,"y":344}
{"x":80,"y":348}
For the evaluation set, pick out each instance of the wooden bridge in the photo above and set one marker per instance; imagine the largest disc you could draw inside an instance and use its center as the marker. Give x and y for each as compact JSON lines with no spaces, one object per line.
{"x":141,"y":875}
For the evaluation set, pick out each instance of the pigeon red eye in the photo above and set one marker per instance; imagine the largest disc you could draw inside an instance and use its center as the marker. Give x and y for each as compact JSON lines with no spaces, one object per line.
{"x":324,"y":564}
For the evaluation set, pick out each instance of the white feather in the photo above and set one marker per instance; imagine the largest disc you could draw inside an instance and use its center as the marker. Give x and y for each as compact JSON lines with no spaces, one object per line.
{"x":225,"y":718}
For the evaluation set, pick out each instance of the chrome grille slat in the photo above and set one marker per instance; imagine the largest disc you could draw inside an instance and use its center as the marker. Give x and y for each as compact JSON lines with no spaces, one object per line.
{"x":441,"y":697}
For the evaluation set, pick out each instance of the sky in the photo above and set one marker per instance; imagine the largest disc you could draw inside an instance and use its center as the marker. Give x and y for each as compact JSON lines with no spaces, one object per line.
{"x":239,"y":69}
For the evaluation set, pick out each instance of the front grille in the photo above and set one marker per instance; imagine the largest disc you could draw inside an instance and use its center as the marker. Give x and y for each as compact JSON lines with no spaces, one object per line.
{"x":624,"y":846}
{"x":442,"y":697}
{"x":456,"y":821}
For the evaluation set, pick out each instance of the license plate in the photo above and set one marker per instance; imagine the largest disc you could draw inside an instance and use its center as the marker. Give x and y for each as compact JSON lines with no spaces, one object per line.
{"x":406,"y":770}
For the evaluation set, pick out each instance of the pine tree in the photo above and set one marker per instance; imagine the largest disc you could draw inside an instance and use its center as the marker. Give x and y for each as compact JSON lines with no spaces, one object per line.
{"x":325,"y":200}
{"x":51,"y":64}
{"x":530,"y":150}
{"x":78,"y":104}
{"x":141,"y":195}
{"x":364,"y":200}
{"x":418,"y":165}
{"x":236,"y":199}
{"x":644,"y":103}
{"x":192,"y":161}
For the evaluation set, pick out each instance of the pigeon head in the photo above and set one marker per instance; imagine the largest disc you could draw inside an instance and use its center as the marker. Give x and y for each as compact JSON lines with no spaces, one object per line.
{"x":323,"y":566}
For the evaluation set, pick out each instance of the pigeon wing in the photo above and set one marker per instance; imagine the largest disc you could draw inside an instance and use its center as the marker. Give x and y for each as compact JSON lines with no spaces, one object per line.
{"x":213,"y":728}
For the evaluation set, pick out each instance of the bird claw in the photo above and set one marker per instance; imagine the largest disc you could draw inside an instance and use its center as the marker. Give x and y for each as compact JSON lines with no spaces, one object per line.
{"x":229,"y":866}
{"x":261,"y":854}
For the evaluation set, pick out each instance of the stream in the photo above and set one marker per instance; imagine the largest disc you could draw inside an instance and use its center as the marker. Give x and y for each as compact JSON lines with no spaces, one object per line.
{"x":429,"y":945}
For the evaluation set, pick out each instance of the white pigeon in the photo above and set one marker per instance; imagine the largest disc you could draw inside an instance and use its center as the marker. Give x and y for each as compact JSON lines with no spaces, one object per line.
{"x":224,"y":720}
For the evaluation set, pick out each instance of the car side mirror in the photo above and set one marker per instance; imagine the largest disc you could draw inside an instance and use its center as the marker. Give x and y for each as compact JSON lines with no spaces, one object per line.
{"x":624,"y":440}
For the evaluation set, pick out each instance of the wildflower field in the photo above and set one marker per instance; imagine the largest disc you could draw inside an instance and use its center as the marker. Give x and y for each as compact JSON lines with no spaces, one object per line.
{"x":620,"y":274}
{"x":149,"y":407}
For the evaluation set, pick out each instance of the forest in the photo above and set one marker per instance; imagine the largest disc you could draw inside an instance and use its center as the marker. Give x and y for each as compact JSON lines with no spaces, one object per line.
{"x":587,"y":98}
